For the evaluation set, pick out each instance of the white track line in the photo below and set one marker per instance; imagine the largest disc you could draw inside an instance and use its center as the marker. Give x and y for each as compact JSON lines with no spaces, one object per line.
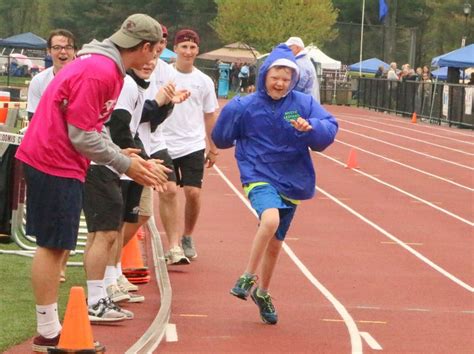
{"x":418,"y":131}
{"x":408,"y":138}
{"x":354,"y":333}
{"x":447,"y":212}
{"x":392,"y":118}
{"x":407,"y":149}
{"x":370,"y":341}
{"x":399,"y":242}
{"x":408,"y":166}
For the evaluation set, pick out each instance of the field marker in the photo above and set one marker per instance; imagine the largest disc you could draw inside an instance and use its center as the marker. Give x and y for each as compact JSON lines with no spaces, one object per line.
{"x":170,"y":333}
{"x":191,"y":315}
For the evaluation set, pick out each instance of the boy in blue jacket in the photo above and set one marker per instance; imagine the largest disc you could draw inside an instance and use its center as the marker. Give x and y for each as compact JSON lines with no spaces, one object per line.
{"x":272,"y":130}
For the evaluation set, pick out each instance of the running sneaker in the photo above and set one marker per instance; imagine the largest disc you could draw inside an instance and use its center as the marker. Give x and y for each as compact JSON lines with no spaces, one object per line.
{"x":268,"y":313}
{"x":136,"y":298}
{"x":125,"y":285}
{"x":175,"y":256}
{"x":103,"y":312}
{"x":188,"y":247}
{"x":129,"y":314}
{"x":42,"y":344}
{"x":116,"y":294}
{"x":243,"y":286}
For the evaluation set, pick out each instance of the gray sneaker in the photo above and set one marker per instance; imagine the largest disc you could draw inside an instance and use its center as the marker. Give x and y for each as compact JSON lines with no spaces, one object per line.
{"x":103,"y":312}
{"x":116,"y":294}
{"x":188,"y":247}
{"x":175,"y":256}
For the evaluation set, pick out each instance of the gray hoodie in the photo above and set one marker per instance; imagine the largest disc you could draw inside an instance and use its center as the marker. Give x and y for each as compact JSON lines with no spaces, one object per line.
{"x":96,"y":146}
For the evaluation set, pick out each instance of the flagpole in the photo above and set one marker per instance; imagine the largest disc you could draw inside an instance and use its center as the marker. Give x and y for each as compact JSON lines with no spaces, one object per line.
{"x":361,"y":38}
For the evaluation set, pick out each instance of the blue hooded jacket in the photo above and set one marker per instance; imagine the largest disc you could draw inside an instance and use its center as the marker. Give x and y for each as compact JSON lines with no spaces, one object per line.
{"x":268,"y":148}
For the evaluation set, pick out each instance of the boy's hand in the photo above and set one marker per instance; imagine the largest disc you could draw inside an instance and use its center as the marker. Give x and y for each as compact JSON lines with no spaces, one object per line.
{"x":301,"y":124}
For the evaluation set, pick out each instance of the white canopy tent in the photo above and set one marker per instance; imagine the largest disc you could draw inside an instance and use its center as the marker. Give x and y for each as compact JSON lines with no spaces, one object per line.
{"x":327,"y":63}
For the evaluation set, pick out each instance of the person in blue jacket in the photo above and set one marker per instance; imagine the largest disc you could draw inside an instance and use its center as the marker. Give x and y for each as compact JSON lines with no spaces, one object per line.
{"x":273,"y":131}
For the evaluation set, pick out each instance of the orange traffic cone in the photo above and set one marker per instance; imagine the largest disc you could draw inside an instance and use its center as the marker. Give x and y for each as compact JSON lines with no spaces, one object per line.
{"x":131,"y":255}
{"x":413,"y":117}
{"x":352,"y":160}
{"x":76,"y":334}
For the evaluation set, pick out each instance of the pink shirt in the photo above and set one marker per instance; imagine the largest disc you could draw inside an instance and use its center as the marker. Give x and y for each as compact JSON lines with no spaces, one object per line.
{"x":83,"y":94}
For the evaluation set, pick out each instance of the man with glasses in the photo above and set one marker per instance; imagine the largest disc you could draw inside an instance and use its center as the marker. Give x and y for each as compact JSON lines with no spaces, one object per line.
{"x":62,"y":48}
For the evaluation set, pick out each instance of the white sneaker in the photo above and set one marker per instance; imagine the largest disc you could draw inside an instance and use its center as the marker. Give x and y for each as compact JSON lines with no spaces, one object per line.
{"x":128,"y":314}
{"x":102,"y":312}
{"x":116,"y":294}
{"x":124,"y":284}
{"x":175,"y":256}
{"x":136,"y":298}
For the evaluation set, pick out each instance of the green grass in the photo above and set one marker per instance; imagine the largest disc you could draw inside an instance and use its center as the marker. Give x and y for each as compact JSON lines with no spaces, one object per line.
{"x":14,"y":81}
{"x":17,"y":311}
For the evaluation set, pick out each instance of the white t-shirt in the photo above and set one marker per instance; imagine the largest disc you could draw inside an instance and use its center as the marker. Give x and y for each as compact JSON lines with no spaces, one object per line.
{"x":184,"y":131}
{"x":162,"y":74}
{"x":37,"y":86}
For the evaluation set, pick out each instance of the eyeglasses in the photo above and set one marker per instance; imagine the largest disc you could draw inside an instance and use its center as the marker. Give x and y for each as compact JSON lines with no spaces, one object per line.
{"x":58,"y":48}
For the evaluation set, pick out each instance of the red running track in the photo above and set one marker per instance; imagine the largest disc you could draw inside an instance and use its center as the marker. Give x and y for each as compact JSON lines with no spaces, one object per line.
{"x":380,"y":260}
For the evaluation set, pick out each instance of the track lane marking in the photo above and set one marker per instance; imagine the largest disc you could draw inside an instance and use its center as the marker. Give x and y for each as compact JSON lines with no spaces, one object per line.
{"x":410,"y":138}
{"x":354,"y":334}
{"x":370,"y":341}
{"x":410,"y":150}
{"x":171,"y":334}
{"x":407,"y":166}
{"x":447,"y":212}
{"x":345,"y":115}
{"x":399,"y":242}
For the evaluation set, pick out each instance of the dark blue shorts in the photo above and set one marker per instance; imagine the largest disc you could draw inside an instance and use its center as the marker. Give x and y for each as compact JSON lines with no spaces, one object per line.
{"x":265,"y":197}
{"x":53,"y":207}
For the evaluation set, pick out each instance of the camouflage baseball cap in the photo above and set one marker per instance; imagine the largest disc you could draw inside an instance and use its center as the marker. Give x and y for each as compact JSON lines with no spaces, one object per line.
{"x":137,"y":28}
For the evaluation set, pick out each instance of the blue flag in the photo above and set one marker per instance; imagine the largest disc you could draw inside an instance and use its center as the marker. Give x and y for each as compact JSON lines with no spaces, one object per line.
{"x":383,"y":10}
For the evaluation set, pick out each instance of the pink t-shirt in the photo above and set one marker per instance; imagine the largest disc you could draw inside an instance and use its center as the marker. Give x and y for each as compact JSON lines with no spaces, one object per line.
{"x":83,"y":94}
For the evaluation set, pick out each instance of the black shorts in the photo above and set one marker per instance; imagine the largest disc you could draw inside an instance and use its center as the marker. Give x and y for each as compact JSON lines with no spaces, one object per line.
{"x":132,"y":192}
{"x":102,"y":199}
{"x":167,"y":161}
{"x":189,"y":169}
{"x":53,"y":208}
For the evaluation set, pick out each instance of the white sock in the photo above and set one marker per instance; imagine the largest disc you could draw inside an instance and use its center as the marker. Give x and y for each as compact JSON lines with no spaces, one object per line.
{"x":118,"y":269}
{"x":95,"y":291}
{"x":47,"y":318}
{"x":110,"y":276}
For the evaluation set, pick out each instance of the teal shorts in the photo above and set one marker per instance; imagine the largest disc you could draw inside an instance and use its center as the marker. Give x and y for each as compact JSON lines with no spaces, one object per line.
{"x":265,"y":197}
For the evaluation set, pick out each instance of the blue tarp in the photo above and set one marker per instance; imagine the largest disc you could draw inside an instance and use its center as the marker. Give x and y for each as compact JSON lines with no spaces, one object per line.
{"x":369,"y":65}
{"x":26,"y":40}
{"x":442,"y":73}
{"x":167,"y":55}
{"x":459,"y":58}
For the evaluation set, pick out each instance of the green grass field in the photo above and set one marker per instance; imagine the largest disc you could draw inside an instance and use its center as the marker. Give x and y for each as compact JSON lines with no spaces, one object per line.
{"x":17,"y":311}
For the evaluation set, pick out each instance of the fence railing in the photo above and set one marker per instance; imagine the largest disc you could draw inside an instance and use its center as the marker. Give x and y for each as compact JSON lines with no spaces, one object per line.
{"x":437,"y":102}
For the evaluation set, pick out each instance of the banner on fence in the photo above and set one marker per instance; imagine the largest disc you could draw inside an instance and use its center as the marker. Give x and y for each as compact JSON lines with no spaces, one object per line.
{"x":445,"y":100}
{"x":10,"y":138}
{"x":468,"y":100}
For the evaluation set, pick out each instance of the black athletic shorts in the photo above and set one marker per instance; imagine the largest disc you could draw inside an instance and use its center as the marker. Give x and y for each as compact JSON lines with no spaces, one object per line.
{"x":189,"y":169}
{"x":102,"y":199}
{"x":167,"y":161}
{"x":132,"y":192}
{"x":53,"y":207}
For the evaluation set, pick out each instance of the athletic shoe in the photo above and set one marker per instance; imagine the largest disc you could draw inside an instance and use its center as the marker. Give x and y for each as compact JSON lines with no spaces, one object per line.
{"x":267,"y":310}
{"x":103,"y":312}
{"x":125,"y":285}
{"x":188,"y":247}
{"x":128,"y":314}
{"x":116,"y":294}
{"x":243,"y":286}
{"x":42,"y":344}
{"x":175,"y":256}
{"x":136,"y":298}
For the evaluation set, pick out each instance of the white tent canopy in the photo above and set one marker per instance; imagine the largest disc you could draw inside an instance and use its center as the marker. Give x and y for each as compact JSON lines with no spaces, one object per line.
{"x":318,"y":56}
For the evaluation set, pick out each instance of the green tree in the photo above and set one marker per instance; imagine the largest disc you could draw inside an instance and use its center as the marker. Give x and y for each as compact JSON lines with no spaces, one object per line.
{"x":264,"y":23}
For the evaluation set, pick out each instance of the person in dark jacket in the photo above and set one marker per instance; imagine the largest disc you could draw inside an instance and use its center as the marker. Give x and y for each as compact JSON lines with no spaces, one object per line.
{"x":273,"y":130}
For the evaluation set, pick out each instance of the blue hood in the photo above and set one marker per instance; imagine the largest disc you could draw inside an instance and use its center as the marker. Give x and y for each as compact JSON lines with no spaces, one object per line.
{"x":282,"y":51}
